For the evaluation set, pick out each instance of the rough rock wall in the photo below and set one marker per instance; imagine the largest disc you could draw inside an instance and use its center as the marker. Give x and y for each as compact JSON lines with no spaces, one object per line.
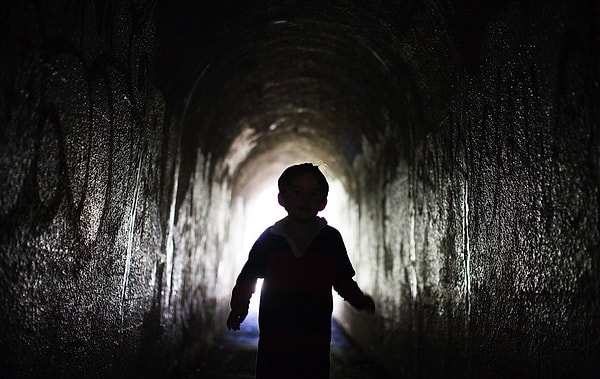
{"x":483,"y":249}
{"x":100,"y":262}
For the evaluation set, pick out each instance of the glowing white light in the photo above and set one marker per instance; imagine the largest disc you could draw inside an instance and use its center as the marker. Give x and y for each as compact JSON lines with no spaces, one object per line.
{"x":255,"y":300}
{"x":334,"y":211}
{"x":262,"y":211}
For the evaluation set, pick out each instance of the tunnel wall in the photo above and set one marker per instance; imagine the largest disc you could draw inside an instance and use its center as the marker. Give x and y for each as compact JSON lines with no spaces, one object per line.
{"x":106,"y":269}
{"x":477,"y":232}
{"x":482,"y":248}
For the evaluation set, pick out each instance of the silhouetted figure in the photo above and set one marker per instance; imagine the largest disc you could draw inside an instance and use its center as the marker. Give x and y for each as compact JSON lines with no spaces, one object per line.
{"x":300,"y":258}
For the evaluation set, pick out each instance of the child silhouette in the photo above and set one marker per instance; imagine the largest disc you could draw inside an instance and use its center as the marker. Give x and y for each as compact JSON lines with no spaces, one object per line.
{"x":301,"y":259}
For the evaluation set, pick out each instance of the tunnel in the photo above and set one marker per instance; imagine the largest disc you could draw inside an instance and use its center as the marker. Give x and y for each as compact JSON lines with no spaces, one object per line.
{"x":141,"y":142}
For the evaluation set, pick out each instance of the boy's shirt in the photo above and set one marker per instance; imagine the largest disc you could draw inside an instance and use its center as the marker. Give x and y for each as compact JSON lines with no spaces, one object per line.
{"x":296,"y":299}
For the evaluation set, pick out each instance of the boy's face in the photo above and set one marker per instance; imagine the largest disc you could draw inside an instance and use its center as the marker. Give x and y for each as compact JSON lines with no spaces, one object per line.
{"x":303,"y":198}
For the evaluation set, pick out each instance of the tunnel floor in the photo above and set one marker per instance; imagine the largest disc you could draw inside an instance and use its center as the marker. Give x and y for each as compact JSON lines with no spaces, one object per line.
{"x":233,"y":354}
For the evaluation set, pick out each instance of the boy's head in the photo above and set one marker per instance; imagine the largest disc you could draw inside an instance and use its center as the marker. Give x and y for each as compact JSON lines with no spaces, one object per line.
{"x":303,"y":191}
{"x":300,"y":169}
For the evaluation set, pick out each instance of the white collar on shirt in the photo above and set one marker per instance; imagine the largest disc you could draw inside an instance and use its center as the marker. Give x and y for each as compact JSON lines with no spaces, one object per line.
{"x":279,"y":229}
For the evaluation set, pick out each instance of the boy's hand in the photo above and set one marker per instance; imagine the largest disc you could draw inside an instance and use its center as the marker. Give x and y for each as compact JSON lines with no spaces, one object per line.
{"x":235,"y":319}
{"x":367,"y":304}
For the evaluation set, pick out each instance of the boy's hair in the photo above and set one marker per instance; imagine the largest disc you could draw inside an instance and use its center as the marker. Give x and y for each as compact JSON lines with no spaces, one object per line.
{"x":303,"y":168}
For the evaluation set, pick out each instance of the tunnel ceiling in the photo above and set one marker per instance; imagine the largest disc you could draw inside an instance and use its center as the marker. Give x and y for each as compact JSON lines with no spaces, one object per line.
{"x":284,"y":81}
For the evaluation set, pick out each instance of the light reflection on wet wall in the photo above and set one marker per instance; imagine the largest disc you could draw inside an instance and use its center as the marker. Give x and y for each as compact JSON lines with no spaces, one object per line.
{"x":465,"y":135}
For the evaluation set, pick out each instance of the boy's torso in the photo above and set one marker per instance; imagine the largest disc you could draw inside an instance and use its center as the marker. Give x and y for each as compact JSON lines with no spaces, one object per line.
{"x":296,"y":295}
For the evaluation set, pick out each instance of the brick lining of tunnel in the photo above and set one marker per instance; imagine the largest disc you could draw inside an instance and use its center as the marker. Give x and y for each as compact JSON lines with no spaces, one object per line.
{"x":464,"y":136}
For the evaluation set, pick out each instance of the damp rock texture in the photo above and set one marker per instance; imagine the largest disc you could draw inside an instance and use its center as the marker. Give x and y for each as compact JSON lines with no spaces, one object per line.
{"x":464,"y":134}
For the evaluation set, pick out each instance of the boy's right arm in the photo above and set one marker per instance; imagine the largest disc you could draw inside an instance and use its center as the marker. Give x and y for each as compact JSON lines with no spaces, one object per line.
{"x":240,"y":300}
{"x":245,"y":286}
{"x":235,"y":320}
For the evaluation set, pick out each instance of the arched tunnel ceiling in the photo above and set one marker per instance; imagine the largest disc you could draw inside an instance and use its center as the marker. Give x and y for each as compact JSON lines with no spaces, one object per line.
{"x":299,"y":80}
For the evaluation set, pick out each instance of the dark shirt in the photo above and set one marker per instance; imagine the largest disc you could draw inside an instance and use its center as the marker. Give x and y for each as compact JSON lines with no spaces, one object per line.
{"x":296,"y":298}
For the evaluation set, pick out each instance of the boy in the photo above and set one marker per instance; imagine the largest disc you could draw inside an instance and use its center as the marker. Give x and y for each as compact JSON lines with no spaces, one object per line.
{"x":300,"y":258}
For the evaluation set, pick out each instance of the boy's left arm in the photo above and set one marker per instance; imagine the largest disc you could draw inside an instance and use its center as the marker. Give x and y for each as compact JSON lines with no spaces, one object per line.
{"x":345,"y":285}
{"x":349,"y":291}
